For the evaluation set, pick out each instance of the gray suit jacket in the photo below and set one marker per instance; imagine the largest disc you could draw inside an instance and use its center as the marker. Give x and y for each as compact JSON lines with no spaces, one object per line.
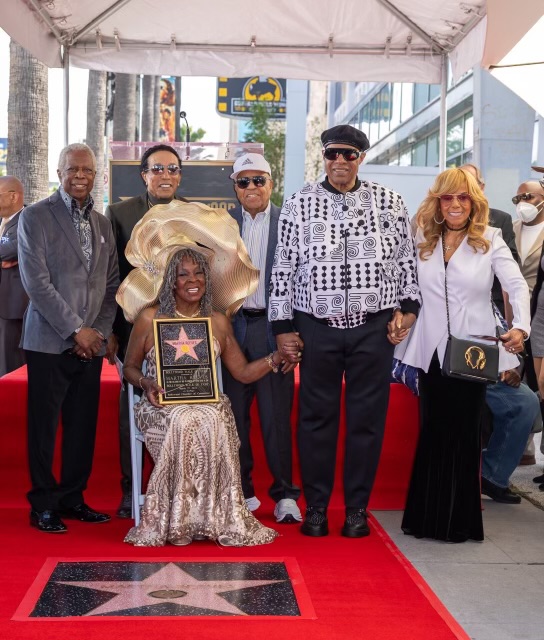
{"x":62,"y":292}
{"x":239,"y":321}
{"x":13,"y":298}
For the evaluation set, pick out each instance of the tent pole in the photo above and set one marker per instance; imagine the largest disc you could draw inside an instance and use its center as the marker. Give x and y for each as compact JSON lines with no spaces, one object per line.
{"x":443,"y":114}
{"x":66,"y":91}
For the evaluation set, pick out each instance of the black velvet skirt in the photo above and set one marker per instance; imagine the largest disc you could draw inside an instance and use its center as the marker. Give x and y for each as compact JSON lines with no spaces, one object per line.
{"x":444,"y":495}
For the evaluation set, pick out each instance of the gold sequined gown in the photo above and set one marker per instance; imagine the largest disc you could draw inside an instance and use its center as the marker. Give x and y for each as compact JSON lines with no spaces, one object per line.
{"x":195,"y":489}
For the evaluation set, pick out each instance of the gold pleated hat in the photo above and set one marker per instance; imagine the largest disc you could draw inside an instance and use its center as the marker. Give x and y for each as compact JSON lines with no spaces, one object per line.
{"x":166,"y":229}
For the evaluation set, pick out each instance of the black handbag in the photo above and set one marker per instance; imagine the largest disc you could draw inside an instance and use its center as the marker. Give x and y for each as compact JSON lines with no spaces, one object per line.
{"x":466,"y":359}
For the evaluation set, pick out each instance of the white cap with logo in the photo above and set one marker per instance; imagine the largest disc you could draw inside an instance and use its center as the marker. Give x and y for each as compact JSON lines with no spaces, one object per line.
{"x":250,"y":162}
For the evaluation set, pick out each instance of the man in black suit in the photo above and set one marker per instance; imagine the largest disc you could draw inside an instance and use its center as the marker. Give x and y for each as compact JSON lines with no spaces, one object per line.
{"x":13,"y":298}
{"x":160,"y":168}
{"x":258,"y":221}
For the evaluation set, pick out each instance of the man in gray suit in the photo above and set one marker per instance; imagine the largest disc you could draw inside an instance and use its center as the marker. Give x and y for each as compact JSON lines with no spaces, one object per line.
{"x":258,"y":221}
{"x":160,"y":169}
{"x":68,"y":265}
{"x":13,"y":298}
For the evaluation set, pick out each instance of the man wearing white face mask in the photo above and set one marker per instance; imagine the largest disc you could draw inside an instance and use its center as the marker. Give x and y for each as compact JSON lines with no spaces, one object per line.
{"x":529,"y":230}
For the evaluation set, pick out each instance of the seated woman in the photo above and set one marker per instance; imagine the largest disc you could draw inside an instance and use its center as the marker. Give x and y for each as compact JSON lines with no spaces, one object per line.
{"x":195,"y":490}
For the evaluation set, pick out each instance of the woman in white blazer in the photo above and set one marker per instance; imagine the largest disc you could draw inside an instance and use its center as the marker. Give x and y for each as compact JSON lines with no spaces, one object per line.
{"x":453,"y":238}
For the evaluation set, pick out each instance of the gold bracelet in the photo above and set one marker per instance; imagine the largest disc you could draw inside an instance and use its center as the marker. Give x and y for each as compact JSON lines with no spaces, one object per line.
{"x":270,"y":361}
{"x":140,"y":382}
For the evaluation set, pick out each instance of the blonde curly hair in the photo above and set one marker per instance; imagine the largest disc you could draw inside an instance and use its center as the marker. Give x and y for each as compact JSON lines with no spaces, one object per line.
{"x":430,"y":220}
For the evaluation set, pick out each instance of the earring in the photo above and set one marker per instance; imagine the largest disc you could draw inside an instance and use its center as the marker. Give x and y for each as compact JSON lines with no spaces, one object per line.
{"x":441,"y":222}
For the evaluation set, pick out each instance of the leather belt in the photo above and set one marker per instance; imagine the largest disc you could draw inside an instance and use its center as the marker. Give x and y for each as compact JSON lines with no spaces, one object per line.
{"x":254,"y":313}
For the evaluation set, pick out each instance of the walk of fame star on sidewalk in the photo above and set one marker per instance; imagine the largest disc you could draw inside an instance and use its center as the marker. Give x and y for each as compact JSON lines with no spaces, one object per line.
{"x":85,"y":590}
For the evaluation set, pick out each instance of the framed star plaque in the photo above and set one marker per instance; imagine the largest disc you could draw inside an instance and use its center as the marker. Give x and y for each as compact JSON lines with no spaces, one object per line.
{"x":185,"y":360}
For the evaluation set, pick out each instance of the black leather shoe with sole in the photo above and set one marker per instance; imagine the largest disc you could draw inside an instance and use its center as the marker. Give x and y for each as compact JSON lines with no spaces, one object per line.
{"x":84,"y":513}
{"x":499,"y":494}
{"x":124,"y":510}
{"x":47,"y":521}
{"x":315,"y":523}
{"x":356,"y":524}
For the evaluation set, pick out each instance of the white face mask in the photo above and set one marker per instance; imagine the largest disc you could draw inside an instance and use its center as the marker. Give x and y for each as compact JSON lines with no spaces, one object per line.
{"x":526,"y":211}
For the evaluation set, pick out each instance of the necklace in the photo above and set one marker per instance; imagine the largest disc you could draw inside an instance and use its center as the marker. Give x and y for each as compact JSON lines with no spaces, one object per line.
{"x":459,"y":239}
{"x":178,"y":314}
{"x":465,"y":226}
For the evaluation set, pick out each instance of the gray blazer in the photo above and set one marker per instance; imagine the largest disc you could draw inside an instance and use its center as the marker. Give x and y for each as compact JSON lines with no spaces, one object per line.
{"x":13,"y":298}
{"x":239,"y":322}
{"x":62,"y":292}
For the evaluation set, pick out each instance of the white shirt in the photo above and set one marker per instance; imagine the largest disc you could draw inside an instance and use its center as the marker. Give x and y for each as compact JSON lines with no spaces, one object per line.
{"x":529,"y":234}
{"x":255,"y":236}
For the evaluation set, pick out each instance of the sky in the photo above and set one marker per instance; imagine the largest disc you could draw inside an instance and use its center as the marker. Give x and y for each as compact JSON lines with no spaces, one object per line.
{"x":198,"y":101}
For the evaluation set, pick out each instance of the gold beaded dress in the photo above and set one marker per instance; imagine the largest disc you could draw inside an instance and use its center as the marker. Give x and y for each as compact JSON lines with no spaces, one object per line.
{"x":195,"y":490}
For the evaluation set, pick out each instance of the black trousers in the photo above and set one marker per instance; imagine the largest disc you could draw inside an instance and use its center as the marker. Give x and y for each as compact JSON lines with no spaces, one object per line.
{"x":275,"y":399}
{"x":60,"y":385}
{"x":363,"y":356}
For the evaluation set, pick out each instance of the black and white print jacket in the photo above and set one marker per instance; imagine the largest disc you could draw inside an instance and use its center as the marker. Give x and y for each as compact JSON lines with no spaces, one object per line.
{"x":342,"y":255}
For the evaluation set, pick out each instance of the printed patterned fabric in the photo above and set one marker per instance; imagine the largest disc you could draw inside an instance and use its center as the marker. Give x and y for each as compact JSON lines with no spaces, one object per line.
{"x":341,"y":256}
{"x":195,"y":490}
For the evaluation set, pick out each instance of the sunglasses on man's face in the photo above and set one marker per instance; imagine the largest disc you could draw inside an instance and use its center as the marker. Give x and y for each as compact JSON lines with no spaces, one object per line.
{"x":258,"y":181}
{"x":157,"y":169}
{"x":526,"y":197}
{"x":462,"y":198}
{"x":333,"y":153}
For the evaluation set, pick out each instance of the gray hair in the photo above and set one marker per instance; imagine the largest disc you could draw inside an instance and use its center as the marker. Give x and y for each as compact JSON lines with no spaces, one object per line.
{"x":75,"y":146}
{"x":167,"y":300}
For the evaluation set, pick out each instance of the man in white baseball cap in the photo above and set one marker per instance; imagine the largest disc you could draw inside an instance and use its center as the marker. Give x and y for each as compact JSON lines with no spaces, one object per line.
{"x":258,"y":221}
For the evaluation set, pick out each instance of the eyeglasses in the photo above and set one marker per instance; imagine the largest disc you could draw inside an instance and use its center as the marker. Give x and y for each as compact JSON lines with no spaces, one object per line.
{"x":524,"y":196}
{"x":462,"y":198}
{"x":258,"y":181}
{"x":332,"y":153}
{"x":157,"y":169}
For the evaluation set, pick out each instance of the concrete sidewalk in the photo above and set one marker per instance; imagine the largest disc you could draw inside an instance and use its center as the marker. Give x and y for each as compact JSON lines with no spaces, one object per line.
{"x":494,"y":588}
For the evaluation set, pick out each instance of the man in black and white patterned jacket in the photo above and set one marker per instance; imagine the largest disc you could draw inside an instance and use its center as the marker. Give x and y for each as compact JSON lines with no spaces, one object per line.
{"x":344,"y":284}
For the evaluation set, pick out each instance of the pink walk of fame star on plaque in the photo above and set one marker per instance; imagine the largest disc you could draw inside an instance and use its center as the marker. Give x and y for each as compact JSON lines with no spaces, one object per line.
{"x":184,"y":346}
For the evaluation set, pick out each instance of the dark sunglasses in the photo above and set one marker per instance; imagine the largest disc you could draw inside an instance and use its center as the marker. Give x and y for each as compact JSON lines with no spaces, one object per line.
{"x":462,"y":198}
{"x":332,"y":153}
{"x":523,"y":196}
{"x":258,"y":181}
{"x":157,"y":169}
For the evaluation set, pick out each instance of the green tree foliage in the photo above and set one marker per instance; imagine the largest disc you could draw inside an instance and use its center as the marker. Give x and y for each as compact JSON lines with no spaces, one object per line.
{"x":272,"y":134}
{"x":195,"y":135}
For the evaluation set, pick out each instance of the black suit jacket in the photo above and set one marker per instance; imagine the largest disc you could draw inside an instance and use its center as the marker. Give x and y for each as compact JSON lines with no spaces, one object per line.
{"x":503,"y":221}
{"x":13,"y":298}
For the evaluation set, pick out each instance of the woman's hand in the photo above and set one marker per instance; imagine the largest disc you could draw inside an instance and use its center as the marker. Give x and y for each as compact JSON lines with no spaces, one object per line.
{"x":513,"y":341}
{"x":399,"y":326}
{"x":152,"y":390}
{"x":293,"y":356}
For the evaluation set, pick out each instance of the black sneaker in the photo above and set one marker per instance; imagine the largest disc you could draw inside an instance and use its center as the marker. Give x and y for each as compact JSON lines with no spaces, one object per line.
{"x":315,"y":522}
{"x":355,"y":525}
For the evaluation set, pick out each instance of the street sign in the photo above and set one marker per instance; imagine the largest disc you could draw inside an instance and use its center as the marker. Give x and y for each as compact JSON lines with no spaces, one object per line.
{"x":236,"y":96}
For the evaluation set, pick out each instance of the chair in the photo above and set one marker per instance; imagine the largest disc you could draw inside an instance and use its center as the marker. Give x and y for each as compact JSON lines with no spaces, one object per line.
{"x":137,"y":443}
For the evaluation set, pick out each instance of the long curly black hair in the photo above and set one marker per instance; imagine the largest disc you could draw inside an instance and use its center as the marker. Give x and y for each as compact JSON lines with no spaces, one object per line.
{"x":167,"y":300}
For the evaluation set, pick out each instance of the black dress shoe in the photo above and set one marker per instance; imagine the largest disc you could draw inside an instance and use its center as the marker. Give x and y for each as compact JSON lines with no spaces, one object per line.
{"x":315,"y":522}
{"x":355,"y":525}
{"x":499,"y":494}
{"x":539,"y":479}
{"x":47,"y":521}
{"x":84,"y":513}
{"x":124,"y":510}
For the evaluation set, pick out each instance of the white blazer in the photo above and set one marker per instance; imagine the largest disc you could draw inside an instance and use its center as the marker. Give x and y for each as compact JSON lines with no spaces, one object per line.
{"x":470,"y":278}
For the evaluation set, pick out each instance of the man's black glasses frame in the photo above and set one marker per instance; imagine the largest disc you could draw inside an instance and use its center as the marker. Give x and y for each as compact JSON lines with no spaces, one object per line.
{"x":157,"y":169}
{"x":258,"y":181}
{"x":332,"y":153}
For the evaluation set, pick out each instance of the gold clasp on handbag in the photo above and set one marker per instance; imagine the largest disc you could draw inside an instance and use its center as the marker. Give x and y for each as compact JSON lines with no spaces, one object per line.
{"x":475,"y":357}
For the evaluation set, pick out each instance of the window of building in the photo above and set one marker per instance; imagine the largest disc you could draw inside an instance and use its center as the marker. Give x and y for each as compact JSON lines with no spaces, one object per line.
{"x":407,"y":102}
{"x":432,"y":150}
{"x":419,"y":154}
{"x":468,"y":141}
{"x":365,"y":120}
{"x":421,"y":96}
{"x":454,"y":137}
{"x":396,"y":100}
{"x":384,"y":110}
{"x":405,"y":158}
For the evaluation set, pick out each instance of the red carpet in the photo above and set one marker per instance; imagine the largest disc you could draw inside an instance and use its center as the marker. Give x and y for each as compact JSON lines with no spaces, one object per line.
{"x":358,"y":588}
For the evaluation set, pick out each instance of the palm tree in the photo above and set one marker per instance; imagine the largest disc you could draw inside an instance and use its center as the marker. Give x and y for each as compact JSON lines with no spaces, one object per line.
{"x":148,"y":106}
{"x":124,"y":108}
{"x":96,"y":122}
{"x":28,"y":120}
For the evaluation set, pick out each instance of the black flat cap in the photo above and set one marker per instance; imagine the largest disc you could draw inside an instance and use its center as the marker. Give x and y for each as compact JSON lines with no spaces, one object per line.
{"x":345,"y":134}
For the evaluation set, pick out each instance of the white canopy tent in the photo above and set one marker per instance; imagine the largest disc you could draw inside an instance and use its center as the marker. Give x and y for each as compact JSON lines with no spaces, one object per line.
{"x":373,"y":40}
{"x":514,"y":49}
